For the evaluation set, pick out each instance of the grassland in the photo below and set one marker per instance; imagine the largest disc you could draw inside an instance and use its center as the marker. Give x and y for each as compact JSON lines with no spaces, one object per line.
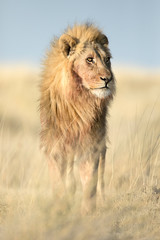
{"x":28,"y":209}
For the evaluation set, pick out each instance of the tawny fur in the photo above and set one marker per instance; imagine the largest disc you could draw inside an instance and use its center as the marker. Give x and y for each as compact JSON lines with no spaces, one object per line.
{"x":73,"y":119}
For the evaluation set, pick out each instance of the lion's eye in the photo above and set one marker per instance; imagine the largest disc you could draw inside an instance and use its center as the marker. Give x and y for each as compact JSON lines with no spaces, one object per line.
{"x":107,"y":60}
{"x":89,"y":60}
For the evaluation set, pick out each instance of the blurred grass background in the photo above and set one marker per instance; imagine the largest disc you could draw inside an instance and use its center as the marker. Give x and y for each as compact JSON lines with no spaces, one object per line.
{"x":28,"y":208}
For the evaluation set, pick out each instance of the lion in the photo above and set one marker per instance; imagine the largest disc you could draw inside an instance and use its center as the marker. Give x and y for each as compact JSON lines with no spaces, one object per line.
{"x":76,"y":90}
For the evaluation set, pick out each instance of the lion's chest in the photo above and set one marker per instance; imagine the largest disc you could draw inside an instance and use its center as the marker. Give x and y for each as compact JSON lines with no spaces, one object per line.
{"x":80,"y":134}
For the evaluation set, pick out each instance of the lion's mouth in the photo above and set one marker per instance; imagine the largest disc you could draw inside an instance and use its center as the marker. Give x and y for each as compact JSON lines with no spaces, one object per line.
{"x":106,"y":86}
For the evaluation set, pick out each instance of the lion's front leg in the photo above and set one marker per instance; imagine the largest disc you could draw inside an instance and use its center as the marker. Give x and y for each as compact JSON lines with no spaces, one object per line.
{"x":101,"y":182}
{"x":57,"y":171}
{"x":70,"y":178}
{"x":62,"y":169}
{"x":89,"y":177}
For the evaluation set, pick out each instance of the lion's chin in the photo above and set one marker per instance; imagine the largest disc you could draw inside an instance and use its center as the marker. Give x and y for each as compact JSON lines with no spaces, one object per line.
{"x":102,"y":93}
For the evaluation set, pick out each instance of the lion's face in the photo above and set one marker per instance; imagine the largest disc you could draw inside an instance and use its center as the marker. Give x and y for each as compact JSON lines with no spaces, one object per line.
{"x":91,"y":65}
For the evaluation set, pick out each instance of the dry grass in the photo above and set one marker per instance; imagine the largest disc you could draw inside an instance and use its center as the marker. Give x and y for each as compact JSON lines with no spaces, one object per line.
{"x":28,"y":210}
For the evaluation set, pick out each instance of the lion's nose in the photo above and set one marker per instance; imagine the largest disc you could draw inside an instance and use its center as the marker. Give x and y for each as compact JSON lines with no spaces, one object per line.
{"x":103,"y":78}
{"x":107,"y":80}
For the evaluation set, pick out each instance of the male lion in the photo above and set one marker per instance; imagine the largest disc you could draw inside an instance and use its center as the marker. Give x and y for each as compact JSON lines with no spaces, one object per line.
{"x":76,"y":89}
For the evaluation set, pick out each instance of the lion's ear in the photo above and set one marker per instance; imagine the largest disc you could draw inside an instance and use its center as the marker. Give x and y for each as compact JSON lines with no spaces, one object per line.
{"x":67,"y":43}
{"x":102,"y":39}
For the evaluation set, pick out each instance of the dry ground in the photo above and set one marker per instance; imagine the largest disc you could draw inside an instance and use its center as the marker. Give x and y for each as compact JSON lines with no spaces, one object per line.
{"x":28,"y":209}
